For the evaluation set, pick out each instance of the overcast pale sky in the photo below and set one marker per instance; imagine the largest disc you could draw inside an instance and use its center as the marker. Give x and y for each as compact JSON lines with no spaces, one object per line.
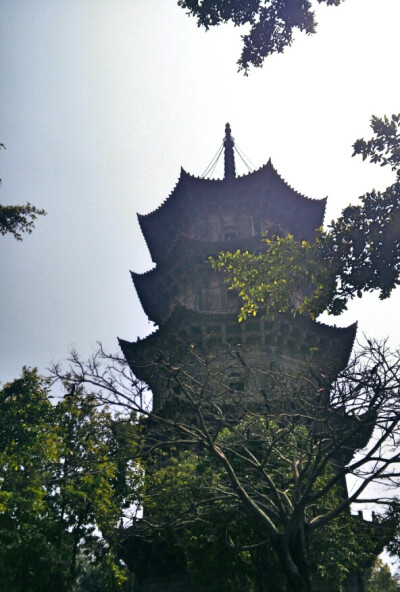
{"x":104,"y":100}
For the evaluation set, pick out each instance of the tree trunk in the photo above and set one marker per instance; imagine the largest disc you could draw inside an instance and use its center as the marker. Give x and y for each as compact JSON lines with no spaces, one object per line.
{"x":293,"y":559}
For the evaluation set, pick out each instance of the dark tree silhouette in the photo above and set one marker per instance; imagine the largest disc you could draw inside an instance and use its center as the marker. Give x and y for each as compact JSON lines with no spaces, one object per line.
{"x":271,"y":23}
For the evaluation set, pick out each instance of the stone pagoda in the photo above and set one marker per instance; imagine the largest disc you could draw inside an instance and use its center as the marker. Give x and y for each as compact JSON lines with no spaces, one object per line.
{"x":185,"y":297}
{"x":191,"y":304}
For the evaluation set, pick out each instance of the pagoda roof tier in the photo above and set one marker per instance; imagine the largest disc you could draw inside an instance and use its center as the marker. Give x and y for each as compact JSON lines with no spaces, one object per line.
{"x":287,"y":340}
{"x":185,"y":264}
{"x":208,"y":209}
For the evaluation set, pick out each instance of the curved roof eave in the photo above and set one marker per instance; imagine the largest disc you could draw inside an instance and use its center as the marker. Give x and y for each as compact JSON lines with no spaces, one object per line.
{"x":283,"y":180}
{"x":145,"y":219}
{"x":140,"y":281}
{"x":348,"y":335}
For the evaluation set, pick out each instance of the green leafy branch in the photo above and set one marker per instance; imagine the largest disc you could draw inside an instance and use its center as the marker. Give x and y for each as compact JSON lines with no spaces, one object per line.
{"x":18,"y":219}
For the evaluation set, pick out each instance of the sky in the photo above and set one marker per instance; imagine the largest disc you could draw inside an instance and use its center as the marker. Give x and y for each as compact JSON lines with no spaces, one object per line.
{"x":104,"y":100}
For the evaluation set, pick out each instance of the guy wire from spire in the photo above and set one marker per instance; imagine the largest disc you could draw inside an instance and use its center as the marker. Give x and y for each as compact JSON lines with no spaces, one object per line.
{"x":247,"y":162}
{"x":210,"y":168}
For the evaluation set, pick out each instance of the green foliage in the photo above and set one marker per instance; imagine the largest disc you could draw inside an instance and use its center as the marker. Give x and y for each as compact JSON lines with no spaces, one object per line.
{"x":209,"y":528}
{"x":65,"y":469}
{"x":103,"y":575}
{"x":345,"y":546}
{"x":360,"y":251}
{"x":288,"y":275}
{"x":384,"y":147}
{"x":381,"y":579}
{"x":28,"y":446}
{"x":18,"y":219}
{"x":224,"y":543}
{"x":271,"y":23}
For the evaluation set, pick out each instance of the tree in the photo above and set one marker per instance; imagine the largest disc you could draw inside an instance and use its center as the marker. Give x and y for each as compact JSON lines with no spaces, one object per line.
{"x":18,"y":219}
{"x":271,"y":23}
{"x":66,"y":469}
{"x":259,"y":473}
{"x":360,"y":251}
{"x":28,"y":444}
{"x":381,"y":579}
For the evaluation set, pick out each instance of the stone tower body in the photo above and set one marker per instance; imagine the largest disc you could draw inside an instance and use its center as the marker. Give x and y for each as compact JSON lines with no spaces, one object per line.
{"x":188,"y":300}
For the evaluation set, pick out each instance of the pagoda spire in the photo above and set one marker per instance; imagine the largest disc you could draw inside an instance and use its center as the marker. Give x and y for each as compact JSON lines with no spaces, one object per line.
{"x":229,"y":157}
